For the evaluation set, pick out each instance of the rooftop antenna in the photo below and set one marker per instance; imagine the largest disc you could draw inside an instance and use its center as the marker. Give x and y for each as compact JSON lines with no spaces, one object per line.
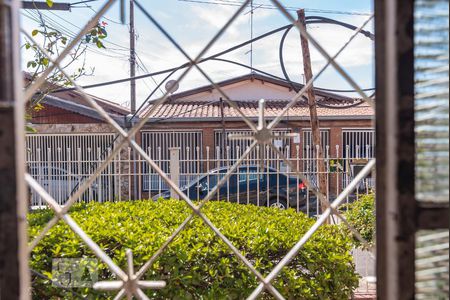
{"x":251,"y":35}
{"x":252,"y":10}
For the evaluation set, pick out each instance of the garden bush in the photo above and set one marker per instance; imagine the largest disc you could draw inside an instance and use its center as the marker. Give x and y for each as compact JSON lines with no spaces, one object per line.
{"x":198,"y":265}
{"x":361,"y":215}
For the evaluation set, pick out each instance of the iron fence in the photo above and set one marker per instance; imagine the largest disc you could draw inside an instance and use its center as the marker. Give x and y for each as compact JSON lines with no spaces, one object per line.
{"x":59,"y":170}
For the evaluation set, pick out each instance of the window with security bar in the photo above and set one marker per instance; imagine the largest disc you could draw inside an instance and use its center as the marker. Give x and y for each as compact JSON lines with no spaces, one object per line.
{"x":121,"y":257}
{"x":310,"y":150}
{"x":234,"y":148}
{"x":358,"y":143}
{"x":131,"y":261}
{"x":309,"y":158}
{"x":358,"y":146}
{"x":158,"y":143}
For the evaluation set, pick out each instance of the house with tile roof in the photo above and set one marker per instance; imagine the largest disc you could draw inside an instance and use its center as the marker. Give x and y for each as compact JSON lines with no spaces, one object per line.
{"x":201,"y":118}
{"x":198,"y":122}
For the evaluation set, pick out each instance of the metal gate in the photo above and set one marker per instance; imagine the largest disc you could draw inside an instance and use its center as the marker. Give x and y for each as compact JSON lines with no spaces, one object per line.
{"x":130,"y":283}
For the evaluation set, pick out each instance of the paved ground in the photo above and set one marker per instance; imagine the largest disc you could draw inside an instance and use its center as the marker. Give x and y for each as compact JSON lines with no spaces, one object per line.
{"x":365,"y":266}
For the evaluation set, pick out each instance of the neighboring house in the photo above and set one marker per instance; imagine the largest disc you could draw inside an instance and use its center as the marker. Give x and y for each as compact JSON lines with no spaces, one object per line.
{"x":196,"y":117}
{"x":196,"y":121}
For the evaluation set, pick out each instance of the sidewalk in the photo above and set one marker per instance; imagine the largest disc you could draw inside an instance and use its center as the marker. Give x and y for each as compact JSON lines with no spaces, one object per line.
{"x":365,"y":267}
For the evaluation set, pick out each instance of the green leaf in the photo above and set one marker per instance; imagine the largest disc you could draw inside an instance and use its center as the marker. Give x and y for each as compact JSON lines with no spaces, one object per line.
{"x":30,"y":129}
{"x":49,"y":3}
{"x":34,"y":32}
{"x":100,"y":44}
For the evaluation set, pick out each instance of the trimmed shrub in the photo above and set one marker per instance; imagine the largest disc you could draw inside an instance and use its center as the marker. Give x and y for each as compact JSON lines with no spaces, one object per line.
{"x":361,"y":214}
{"x":198,"y":265}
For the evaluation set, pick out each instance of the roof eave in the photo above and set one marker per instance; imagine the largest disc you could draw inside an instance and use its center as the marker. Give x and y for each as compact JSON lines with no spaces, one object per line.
{"x":236,"y":119}
{"x":80,"y":109}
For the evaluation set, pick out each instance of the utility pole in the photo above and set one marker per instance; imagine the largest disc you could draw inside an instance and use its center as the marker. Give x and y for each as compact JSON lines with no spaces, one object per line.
{"x":14,"y":276}
{"x":133,"y":89}
{"x":315,"y":128}
{"x":132,"y":59}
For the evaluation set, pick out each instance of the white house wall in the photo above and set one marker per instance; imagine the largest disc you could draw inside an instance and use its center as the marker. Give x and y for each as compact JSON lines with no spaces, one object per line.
{"x":246,"y":91}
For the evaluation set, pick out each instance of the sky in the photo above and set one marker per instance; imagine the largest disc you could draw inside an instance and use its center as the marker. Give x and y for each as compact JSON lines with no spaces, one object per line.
{"x":192,"y":25}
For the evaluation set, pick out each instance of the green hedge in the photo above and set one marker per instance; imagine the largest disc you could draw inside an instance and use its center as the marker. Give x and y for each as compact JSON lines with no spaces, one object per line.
{"x":361,"y":214}
{"x":197,"y":265}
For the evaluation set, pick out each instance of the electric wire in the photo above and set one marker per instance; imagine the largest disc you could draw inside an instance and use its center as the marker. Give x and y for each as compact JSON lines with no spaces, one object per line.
{"x":273,"y":7}
{"x":70,"y":35}
{"x":55,"y":25}
{"x":123,"y":48}
{"x":171,"y":71}
{"x":161,"y":72}
{"x":283,"y":67}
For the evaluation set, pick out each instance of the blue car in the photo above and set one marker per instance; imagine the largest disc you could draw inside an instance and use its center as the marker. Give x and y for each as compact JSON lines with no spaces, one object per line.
{"x":249,"y":185}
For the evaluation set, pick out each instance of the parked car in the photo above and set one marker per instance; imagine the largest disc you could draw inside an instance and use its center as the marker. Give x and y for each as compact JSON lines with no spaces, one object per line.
{"x":60,"y":184}
{"x":249,"y":185}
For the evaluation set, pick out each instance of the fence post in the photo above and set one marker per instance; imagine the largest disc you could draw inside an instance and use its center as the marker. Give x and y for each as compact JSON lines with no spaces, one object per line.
{"x":174,"y":170}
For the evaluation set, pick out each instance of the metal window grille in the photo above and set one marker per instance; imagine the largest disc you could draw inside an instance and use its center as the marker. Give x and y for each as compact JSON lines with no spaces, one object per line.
{"x":358,"y":143}
{"x":131,"y":283}
{"x":157,"y":145}
{"x":358,"y":146}
{"x":310,"y":151}
{"x":234,"y":148}
{"x":308,"y":144}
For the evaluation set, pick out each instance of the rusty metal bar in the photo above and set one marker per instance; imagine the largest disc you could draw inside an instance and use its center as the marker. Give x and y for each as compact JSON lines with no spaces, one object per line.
{"x":14,"y":273}
{"x":395,"y":151}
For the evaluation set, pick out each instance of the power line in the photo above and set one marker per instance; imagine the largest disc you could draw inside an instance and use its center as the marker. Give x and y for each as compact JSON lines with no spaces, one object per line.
{"x":212,"y":57}
{"x":272,"y":7}
{"x":123,"y":48}
{"x":55,"y":25}
{"x":172,"y":70}
{"x":79,"y":28}
{"x":62,"y":28}
{"x":142,"y":66}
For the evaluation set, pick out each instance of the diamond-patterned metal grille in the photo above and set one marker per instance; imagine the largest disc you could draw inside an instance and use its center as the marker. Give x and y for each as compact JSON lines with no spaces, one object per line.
{"x":128,"y":283}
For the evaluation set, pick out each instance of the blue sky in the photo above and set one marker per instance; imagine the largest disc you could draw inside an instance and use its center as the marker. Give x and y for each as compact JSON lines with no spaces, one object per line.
{"x":193,"y":24}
